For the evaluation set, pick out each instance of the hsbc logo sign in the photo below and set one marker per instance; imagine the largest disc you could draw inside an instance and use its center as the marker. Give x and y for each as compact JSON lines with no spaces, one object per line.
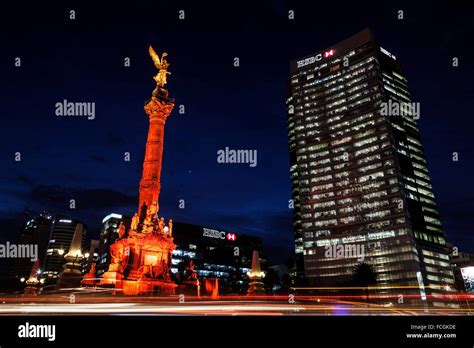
{"x":210,"y":233}
{"x":328,"y":53}
{"x":314,"y":59}
{"x":207,"y":232}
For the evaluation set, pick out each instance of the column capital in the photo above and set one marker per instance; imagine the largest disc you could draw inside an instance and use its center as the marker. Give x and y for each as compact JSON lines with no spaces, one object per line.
{"x":159,"y":108}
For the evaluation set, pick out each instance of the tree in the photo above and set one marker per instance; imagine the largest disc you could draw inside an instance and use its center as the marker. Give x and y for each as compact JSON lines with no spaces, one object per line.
{"x":364,"y":276}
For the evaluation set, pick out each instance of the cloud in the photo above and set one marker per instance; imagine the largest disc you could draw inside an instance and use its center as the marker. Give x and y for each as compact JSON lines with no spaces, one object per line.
{"x":58,"y":197}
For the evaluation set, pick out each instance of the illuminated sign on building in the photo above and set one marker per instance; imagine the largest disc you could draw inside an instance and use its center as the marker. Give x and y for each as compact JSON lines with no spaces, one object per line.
{"x":210,"y":233}
{"x":315,"y":58}
{"x":328,"y":53}
{"x":387,"y":53}
{"x":207,"y":232}
{"x":468,"y":277}
{"x":421,"y":286}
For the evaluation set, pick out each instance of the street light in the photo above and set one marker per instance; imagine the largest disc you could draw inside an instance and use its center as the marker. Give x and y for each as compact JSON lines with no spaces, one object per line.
{"x":61,"y":251}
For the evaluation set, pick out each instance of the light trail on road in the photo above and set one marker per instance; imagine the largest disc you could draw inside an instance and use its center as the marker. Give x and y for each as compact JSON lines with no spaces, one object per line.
{"x":218,"y":308}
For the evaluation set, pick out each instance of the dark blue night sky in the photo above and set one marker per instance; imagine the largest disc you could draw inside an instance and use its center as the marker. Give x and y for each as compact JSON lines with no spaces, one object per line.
{"x":239,"y":107}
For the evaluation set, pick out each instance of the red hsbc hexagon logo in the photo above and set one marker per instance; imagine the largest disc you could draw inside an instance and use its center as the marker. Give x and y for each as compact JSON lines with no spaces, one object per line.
{"x":328,"y":53}
{"x":231,"y":236}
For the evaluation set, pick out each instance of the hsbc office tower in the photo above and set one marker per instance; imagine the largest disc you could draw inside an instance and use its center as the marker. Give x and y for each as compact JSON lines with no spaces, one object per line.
{"x":360,"y":184}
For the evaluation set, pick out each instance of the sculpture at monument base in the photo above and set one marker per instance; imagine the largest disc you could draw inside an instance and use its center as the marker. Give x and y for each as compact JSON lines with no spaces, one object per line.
{"x":190,"y":284}
{"x":89,"y":278}
{"x":140,"y":261}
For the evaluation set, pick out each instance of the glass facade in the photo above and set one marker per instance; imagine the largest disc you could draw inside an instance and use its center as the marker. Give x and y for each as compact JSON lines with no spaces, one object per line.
{"x":358,"y":173}
{"x":62,"y":232}
{"x":36,"y":231}
{"x":215,"y":254}
{"x":108,"y":236}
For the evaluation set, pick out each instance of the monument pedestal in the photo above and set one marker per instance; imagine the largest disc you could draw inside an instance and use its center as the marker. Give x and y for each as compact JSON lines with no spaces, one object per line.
{"x":146,"y":287}
{"x":140,"y":264}
{"x":31,"y":290}
{"x":256,"y":288}
{"x":111,"y":278}
{"x":70,"y":278}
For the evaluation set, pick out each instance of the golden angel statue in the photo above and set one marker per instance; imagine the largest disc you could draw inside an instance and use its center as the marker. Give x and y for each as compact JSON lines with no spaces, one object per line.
{"x":162,"y":66}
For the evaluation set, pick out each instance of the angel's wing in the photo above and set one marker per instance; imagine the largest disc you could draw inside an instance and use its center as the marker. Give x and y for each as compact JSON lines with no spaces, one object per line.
{"x":154,"y":56}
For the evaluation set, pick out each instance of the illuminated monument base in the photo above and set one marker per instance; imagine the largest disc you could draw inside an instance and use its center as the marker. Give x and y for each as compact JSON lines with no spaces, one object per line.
{"x":140,"y":264}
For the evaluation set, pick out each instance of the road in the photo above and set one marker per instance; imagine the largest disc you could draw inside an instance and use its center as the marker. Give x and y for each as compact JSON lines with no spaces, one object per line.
{"x":107,"y":304}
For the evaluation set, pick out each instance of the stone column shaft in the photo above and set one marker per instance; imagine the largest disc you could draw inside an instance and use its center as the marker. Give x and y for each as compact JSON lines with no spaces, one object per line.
{"x":158,"y":111}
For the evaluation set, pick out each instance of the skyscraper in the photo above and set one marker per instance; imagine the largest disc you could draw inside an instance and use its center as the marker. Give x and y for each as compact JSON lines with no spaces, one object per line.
{"x":62,"y":232}
{"x":360,"y":183}
{"x":36,"y":231}
{"x":108,"y":236}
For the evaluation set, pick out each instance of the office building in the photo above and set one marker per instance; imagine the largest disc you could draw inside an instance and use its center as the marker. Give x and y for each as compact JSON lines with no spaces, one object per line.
{"x":462,"y":264}
{"x":360,"y":184}
{"x":216,"y":253}
{"x":36,"y":231}
{"x":108,"y":235}
{"x":62,"y":232}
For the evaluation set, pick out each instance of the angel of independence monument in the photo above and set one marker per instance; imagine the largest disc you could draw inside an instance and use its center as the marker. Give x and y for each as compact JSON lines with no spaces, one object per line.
{"x":141,"y":256}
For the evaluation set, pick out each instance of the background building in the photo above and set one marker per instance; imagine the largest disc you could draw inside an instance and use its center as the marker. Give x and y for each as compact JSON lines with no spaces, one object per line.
{"x":359,"y":176}
{"x":216,"y":254}
{"x":463,"y":269}
{"x":36,"y":231}
{"x":108,"y":235}
{"x":62,"y":232}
